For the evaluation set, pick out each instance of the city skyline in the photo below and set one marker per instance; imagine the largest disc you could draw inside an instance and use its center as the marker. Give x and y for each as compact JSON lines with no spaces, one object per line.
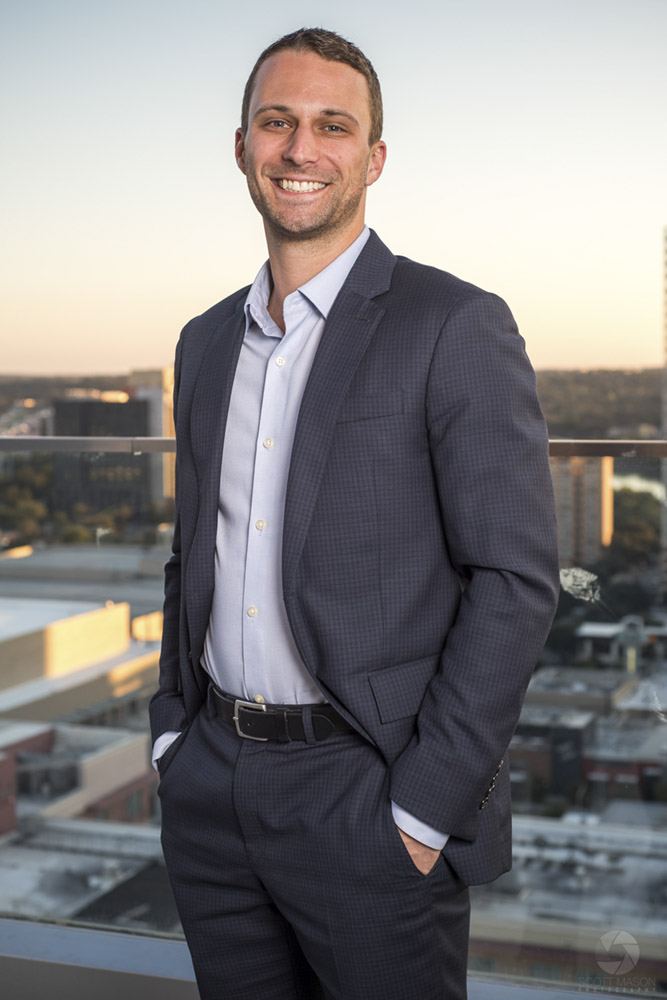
{"x":533,"y":140}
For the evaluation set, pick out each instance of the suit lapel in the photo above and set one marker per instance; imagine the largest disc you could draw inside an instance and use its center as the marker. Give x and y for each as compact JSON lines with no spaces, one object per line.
{"x":209,"y":415}
{"x":350,"y":326}
{"x":213,"y":391}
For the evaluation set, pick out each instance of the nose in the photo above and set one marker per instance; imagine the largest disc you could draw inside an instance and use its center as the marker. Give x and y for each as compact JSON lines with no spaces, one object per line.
{"x":302,"y":147}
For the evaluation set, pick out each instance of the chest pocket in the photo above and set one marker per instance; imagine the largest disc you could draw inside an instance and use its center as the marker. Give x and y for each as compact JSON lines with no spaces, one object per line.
{"x":368,"y":407}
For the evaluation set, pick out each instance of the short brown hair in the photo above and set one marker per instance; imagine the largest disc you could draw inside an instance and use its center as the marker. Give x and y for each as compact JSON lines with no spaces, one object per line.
{"x":334,"y":48}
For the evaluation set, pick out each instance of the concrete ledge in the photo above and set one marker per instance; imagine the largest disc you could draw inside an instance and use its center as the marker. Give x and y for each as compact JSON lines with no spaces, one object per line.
{"x":57,"y":962}
{"x":64,"y":963}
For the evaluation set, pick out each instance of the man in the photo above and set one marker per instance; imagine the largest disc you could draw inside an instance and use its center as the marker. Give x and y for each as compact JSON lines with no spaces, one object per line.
{"x":364,"y":572}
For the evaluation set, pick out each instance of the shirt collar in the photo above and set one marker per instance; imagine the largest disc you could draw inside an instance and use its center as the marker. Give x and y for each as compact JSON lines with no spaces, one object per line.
{"x":321,"y":291}
{"x":257,"y":302}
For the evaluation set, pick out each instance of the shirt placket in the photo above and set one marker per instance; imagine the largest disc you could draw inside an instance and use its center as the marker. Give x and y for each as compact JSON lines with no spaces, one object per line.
{"x":261,"y":588}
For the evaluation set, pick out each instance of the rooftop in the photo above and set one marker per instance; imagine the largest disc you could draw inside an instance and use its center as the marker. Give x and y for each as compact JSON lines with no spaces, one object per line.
{"x":65,"y":867}
{"x":577,"y":680}
{"x":609,"y":630}
{"x":84,"y":562}
{"x":648,"y":695}
{"x":556,"y":717}
{"x":85,"y":573}
{"x":651,"y":815}
{"x":13,"y":732}
{"x":20,"y":615}
{"x":22,"y":695}
{"x":622,"y":738}
{"x":572,"y":874}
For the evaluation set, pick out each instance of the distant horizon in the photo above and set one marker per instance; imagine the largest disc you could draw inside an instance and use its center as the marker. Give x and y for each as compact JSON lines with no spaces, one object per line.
{"x":7,"y":376}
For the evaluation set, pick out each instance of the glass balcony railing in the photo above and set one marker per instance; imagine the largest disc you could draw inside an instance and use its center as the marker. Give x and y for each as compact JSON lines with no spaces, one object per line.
{"x":85,"y":526}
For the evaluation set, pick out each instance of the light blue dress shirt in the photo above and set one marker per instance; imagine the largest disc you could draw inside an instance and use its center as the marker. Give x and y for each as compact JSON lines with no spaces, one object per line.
{"x":249,"y":650}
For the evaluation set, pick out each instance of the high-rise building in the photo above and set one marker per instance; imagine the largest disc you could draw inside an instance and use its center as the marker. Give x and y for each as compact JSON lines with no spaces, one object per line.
{"x":106,"y":480}
{"x":584,"y":506}
{"x":156,"y":387}
{"x":143,"y":408}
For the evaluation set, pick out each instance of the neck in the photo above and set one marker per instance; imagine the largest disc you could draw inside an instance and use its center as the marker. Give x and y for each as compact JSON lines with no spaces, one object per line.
{"x":294,"y":262}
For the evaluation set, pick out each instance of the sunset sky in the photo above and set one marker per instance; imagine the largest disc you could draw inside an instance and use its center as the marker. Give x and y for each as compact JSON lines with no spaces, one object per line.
{"x":527,"y":153}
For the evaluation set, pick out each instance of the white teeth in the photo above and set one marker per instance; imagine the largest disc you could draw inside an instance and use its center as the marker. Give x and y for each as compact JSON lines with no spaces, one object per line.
{"x":300,"y":185}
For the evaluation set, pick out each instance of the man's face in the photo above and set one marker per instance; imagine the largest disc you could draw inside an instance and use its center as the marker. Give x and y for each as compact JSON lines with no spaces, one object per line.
{"x":306,"y":154}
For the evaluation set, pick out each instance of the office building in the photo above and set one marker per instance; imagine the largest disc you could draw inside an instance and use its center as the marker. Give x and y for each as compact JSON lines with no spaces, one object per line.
{"x":584,"y":506}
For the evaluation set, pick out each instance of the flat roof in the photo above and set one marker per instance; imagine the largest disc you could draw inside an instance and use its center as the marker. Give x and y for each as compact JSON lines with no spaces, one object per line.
{"x":624,"y":738}
{"x":609,"y":630}
{"x":642,"y":814}
{"x":649,"y":695}
{"x":575,"y":875}
{"x":577,"y":680}
{"x":46,"y":883}
{"x":546,"y":715}
{"x":143,"y":594}
{"x":43,"y":687}
{"x":21,"y":615}
{"x":13,"y":732}
{"x":102,"y":558}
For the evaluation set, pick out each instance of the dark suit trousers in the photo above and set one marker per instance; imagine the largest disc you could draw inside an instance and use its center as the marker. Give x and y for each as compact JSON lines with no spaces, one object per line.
{"x":291,"y":879}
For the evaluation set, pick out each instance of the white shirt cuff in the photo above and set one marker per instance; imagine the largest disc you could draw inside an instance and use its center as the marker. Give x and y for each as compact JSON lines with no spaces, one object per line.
{"x":161,"y":744}
{"x":414,"y":827}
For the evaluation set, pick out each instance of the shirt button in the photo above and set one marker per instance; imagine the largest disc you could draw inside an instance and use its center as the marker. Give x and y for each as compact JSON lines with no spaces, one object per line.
{"x":268,"y":442}
{"x":259,"y":699}
{"x":260,"y":525}
{"x":280,"y":361}
{"x":252,"y":611}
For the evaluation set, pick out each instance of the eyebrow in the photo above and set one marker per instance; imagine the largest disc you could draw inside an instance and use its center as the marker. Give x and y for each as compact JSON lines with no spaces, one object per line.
{"x":283,"y":109}
{"x":339,"y":113}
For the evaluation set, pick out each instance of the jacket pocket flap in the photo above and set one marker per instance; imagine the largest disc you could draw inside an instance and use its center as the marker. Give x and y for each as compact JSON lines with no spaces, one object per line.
{"x":399,"y":690}
{"x":366,"y":407}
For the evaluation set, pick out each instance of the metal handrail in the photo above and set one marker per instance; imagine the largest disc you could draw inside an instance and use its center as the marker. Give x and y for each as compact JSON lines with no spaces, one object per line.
{"x":558,"y":447}
{"x":130,"y":445}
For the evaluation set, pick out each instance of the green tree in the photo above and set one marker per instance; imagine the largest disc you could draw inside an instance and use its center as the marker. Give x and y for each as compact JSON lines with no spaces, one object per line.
{"x":636,"y":537}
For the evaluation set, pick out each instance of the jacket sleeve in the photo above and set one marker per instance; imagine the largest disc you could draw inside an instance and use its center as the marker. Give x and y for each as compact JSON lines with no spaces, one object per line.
{"x":167,"y":709}
{"x":489,"y":452}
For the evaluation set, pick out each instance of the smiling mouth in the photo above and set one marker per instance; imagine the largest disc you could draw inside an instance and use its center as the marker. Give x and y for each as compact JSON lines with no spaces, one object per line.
{"x":299,"y":186}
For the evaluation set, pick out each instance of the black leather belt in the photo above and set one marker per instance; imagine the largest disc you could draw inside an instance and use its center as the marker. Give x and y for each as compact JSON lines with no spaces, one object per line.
{"x":277,"y":722}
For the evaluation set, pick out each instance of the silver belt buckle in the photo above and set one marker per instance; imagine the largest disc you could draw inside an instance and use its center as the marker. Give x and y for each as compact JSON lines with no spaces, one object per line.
{"x":254,"y":707}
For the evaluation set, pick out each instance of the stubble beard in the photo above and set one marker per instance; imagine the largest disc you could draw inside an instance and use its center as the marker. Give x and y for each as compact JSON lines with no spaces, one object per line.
{"x":288,"y":226}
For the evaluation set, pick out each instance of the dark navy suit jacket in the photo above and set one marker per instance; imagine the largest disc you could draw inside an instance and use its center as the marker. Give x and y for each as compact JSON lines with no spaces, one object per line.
{"x":420,"y":568}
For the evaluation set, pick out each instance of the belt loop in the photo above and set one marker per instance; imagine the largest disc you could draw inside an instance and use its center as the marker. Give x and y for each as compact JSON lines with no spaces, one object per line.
{"x":307,"y":717}
{"x":282,"y":726}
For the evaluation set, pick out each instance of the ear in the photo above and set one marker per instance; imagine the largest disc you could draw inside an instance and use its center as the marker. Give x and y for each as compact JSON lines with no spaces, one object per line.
{"x":376,"y":162}
{"x":239,"y":149}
